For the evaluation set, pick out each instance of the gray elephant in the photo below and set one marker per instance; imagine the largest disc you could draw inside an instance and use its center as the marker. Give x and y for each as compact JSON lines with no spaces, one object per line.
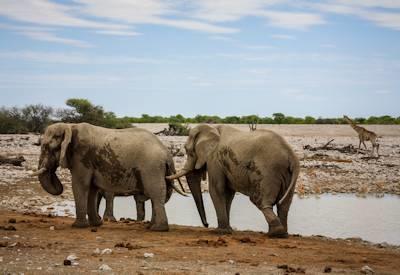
{"x":259,"y":164}
{"x":109,"y":209}
{"x":132,"y":161}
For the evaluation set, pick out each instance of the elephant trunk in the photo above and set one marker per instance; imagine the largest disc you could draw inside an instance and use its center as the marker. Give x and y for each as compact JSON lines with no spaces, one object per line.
{"x":47,"y":176}
{"x":194,"y":180}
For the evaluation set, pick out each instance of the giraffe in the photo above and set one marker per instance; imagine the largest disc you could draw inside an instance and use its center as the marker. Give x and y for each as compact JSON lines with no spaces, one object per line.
{"x":364,"y":135}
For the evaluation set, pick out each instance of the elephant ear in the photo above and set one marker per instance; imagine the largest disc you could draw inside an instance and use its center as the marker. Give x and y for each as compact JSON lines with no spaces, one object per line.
{"x":64,"y":146}
{"x":205,"y":143}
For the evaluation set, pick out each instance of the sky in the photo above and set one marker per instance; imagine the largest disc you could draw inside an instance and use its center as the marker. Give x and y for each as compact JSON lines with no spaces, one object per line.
{"x":216,"y":57}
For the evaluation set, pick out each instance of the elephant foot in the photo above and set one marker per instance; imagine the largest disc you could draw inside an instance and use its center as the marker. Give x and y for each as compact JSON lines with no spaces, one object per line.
{"x":96,"y":222}
{"x":109,"y":219}
{"x":223,"y":231}
{"x":80,"y":224}
{"x":277,"y":232}
{"x":159,"y":228}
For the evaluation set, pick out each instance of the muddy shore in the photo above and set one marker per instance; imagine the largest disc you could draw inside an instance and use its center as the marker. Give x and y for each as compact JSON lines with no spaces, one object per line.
{"x":197,"y":250}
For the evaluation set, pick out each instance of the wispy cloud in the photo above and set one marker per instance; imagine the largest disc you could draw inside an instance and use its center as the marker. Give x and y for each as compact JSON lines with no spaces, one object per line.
{"x":50,"y":37}
{"x":118,"y":32}
{"x":76,"y":58}
{"x":283,"y":36}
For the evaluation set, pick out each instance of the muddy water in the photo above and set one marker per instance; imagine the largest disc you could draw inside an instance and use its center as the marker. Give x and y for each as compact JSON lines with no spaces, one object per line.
{"x":338,"y":216}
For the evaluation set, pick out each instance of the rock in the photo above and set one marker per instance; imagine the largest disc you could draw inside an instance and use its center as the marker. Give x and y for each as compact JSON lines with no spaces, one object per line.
{"x":106,"y":251}
{"x":52,"y":228}
{"x":93,"y":230}
{"x":10,"y":228}
{"x":367,"y":270}
{"x":96,"y":252}
{"x":327,"y":269}
{"x":72,"y":257}
{"x":1,"y":259}
{"x":67,"y":262}
{"x":12,"y":220}
{"x":231,"y":261}
{"x":105,"y":267}
{"x":148,"y":255}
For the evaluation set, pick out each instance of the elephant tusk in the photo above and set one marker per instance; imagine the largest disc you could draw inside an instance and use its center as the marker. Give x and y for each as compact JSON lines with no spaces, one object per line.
{"x":178,"y":190}
{"x":178,"y":175}
{"x":180,"y":184}
{"x":38,"y":172}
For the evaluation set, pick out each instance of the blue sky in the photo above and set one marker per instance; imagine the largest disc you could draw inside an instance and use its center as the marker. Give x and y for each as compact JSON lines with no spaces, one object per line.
{"x":218,"y":57}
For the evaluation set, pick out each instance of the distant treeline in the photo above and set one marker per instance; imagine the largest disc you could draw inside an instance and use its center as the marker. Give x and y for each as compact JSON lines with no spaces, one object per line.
{"x":34,"y":118}
{"x":276,"y":118}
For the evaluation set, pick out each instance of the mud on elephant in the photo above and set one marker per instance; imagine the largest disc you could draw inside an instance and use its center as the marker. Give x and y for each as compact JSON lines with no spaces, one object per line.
{"x":259,"y":164}
{"x":131,"y":161}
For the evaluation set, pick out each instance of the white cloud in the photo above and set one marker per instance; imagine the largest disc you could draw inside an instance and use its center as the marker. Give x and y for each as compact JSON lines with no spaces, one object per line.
{"x":283,"y":36}
{"x":76,"y":58}
{"x":50,"y":37}
{"x":118,"y":32}
{"x":292,"y":20}
{"x":44,"y":12}
{"x":383,"y":13}
{"x":146,"y":12}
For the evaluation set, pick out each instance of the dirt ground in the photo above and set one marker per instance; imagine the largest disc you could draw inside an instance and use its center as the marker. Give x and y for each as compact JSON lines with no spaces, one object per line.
{"x":35,"y":248}
{"x":41,"y":244}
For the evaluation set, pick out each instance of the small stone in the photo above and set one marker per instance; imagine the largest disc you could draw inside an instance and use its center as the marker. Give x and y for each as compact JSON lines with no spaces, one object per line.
{"x":282,"y":266}
{"x":72,"y":257}
{"x":1,"y":259}
{"x":105,"y":267}
{"x":327,"y":269}
{"x":148,"y":255}
{"x":93,"y":230}
{"x":367,"y":270}
{"x":52,"y":228}
{"x":231,"y":261}
{"x":12,"y":220}
{"x":10,"y":228}
{"x":106,"y":251}
{"x":96,"y":252}
{"x":67,"y":262}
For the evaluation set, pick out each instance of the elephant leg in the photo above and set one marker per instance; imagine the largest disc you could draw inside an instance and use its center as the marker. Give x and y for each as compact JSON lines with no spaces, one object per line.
{"x":218,"y":196}
{"x":81,"y":180}
{"x":98,"y":200}
{"x":276,"y":229}
{"x":93,"y":214}
{"x":140,"y":210}
{"x":283,"y":210}
{"x":229,"y":195}
{"x":155,"y":189}
{"x":109,"y":212}
{"x":264,"y":196}
{"x":153,"y":216}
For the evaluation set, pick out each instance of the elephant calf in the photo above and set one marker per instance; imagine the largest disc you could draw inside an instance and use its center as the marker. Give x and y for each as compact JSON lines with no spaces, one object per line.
{"x":259,"y":164}
{"x":129,"y":161}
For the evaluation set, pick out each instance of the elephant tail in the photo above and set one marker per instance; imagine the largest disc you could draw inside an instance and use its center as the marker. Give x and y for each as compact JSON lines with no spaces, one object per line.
{"x":295,"y":170}
{"x":171,"y":171}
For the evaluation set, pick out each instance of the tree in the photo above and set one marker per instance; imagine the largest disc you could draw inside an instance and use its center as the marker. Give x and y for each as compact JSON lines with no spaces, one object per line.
{"x":36,"y":117}
{"x":278,"y":117}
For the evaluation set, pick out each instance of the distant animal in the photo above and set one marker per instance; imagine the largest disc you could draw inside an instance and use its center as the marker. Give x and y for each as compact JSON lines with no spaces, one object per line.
{"x":132,"y":161}
{"x":364,"y":135}
{"x":259,"y":164}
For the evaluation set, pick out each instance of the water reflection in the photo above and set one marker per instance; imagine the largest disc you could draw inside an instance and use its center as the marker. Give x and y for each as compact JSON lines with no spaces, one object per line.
{"x":338,"y":216}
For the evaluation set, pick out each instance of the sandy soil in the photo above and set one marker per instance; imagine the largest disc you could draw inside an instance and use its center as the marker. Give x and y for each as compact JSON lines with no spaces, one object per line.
{"x":34,"y":248}
{"x":41,"y":244}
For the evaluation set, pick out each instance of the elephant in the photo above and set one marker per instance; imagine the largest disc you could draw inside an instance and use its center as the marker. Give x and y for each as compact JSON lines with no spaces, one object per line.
{"x":131,"y":161}
{"x":109,"y":209}
{"x":259,"y":164}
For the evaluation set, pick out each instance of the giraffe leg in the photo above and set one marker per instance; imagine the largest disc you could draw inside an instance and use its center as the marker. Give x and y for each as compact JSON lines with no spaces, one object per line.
{"x":365,"y":146}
